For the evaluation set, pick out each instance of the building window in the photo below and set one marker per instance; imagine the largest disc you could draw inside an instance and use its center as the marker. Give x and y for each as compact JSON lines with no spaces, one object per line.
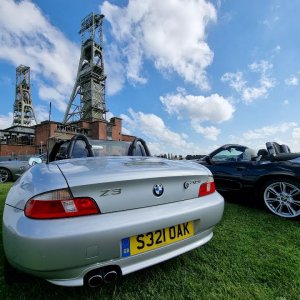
{"x":109,"y":132}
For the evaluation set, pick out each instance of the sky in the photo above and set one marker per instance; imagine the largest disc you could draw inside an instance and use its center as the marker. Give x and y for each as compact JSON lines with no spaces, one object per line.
{"x":185,"y":75}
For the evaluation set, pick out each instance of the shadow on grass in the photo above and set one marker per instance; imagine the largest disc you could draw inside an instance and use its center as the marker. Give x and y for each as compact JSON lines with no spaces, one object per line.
{"x":19,"y":285}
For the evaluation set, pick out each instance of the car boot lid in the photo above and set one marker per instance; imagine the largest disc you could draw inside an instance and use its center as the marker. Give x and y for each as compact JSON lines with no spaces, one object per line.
{"x":110,"y":169}
{"x":121,"y":183}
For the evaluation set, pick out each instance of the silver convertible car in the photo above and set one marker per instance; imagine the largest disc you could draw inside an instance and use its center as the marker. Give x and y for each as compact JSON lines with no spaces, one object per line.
{"x":89,"y":220}
{"x":12,"y":169}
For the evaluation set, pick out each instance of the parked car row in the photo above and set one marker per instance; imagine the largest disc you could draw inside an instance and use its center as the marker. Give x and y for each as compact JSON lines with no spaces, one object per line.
{"x":270,"y":174}
{"x":96,"y":210}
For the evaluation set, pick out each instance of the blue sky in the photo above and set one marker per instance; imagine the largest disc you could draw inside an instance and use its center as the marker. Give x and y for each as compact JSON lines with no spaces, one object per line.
{"x":185,"y":75}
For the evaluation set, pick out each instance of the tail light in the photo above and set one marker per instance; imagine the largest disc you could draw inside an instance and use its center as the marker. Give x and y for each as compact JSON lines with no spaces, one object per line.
{"x":207,"y":188}
{"x":59,"y":204}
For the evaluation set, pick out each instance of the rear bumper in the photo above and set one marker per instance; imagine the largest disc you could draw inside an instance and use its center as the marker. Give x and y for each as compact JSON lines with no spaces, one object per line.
{"x":64,"y":250}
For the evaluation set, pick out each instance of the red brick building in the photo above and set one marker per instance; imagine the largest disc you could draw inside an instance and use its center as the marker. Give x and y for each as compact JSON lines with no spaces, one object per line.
{"x":21,"y":140}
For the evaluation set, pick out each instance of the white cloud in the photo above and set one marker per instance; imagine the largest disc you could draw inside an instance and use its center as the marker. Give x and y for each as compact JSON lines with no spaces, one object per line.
{"x":158,"y":136}
{"x":283,"y":133}
{"x":109,"y":115}
{"x":275,"y":51}
{"x":41,"y":113}
{"x":199,"y":109}
{"x":54,"y":96}
{"x":115,"y":71}
{"x":268,"y":131}
{"x":286,"y":102}
{"x":251,"y":93}
{"x":236,"y":81}
{"x":213,"y":108}
{"x":292,"y":80}
{"x":296,"y":133}
{"x":269,"y":23}
{"x":28,"y":38}
{"x":209,"y":132}
{"x":273,"y":16}
{"x":6,"y":121}
{"x":171,"y":33}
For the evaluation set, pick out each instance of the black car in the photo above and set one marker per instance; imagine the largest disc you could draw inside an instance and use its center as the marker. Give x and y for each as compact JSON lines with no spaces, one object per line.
{"x":272,"y":175}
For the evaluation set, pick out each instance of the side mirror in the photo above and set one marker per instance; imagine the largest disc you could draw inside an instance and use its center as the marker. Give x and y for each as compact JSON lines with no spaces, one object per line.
{"x":208,"y":159}
{"x":34,"y":160}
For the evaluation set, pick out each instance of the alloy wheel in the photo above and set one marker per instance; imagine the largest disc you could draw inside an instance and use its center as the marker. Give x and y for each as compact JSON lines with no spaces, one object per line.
{"x":283,"y":199}
{"x":4,"y":175}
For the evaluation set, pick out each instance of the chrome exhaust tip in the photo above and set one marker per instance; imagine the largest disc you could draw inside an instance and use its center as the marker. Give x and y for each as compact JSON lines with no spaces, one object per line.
{"x":110,"y":276}
{"x":95,"y":280}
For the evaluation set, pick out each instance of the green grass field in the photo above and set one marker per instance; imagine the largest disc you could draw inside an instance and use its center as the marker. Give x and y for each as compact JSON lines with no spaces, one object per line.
{"x":253,"y":255}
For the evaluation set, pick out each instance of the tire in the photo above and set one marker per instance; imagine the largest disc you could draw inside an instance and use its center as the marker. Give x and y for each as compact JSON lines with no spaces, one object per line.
{"x":5,"y":175}
{"x":281,"y":196}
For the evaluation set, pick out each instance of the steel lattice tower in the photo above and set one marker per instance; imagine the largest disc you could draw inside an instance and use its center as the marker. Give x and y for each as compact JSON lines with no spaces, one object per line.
{"x":90,"y":80}
{"x":23,"y":110}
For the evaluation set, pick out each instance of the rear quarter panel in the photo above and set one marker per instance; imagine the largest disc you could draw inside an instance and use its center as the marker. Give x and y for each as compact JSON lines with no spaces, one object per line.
{"x":39,"y":179}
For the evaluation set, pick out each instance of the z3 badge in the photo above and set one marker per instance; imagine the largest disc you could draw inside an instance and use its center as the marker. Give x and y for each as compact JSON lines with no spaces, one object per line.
{"x":110,"y":192}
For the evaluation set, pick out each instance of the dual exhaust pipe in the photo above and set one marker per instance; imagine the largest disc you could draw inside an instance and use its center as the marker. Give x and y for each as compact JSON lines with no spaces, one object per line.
{"x":103,"y":275}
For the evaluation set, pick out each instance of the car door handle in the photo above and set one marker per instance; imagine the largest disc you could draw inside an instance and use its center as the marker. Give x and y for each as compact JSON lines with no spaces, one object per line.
{"x":241,"y":168}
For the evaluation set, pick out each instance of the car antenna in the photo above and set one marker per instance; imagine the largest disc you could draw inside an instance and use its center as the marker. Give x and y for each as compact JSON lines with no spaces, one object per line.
{"x":49,"y":134}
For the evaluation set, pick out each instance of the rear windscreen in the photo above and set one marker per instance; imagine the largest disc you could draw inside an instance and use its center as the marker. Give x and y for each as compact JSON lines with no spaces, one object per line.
{"x":110,"y":148}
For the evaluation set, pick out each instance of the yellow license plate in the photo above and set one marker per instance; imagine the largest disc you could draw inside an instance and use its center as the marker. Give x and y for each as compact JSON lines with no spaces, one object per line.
{"x":156,"y":239}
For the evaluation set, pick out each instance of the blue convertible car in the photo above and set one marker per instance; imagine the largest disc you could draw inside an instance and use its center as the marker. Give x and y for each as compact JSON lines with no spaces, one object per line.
{"x":272,"y":175}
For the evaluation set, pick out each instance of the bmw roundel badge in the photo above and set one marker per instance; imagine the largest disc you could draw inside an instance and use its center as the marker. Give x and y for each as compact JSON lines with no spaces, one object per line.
{"x":158,"y":190}
{"x":186,"y":185}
